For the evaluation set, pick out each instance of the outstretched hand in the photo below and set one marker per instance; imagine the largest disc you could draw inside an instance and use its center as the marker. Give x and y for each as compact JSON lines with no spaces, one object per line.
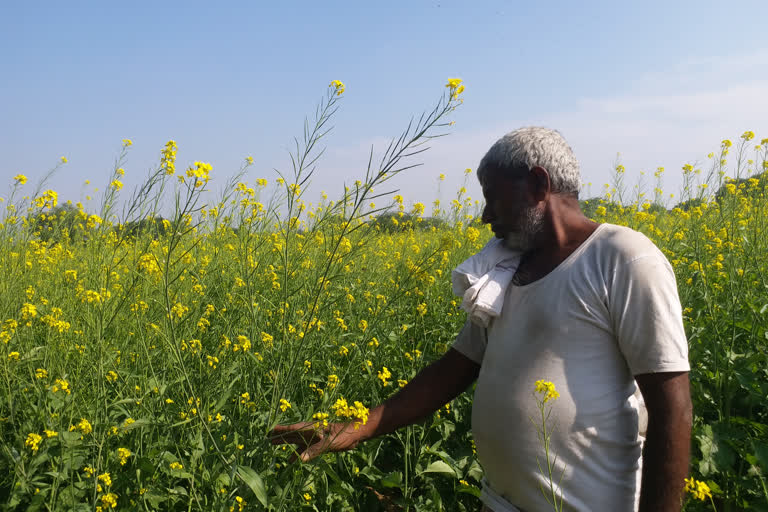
{"x":313,"y":439}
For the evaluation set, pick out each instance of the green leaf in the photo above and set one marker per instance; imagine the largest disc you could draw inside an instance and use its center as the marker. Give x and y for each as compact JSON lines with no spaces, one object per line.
{"x":440,"y":467}
{"x":252,"y":479}
{"x":146,"y":466}
{"x":223,"y":480}
{"x":474,"y":491}
{"x":142,"y":422}
{"x":123,"y":401}
{"x":761,"y":454}
{"x":198,"y":447}
{"x":717,"y":456}
{"x":714,"y":487}
{"x":328,"y":470}
{"x":475,"y":471}
{"x":71,"y":494}
{"x":154,"y":499}
{"x":759,"y":506}
{"x":70,"y":438}
{"x":447,"y":428}
{"x":225,"y":397}
{"x":182,"y":422}
{"x":394,"y":479}
{"x":371,"y":473}
{"x":437,"y":500}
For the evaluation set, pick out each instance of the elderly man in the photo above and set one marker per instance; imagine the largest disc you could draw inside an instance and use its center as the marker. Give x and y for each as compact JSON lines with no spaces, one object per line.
{"x":593,"y":308}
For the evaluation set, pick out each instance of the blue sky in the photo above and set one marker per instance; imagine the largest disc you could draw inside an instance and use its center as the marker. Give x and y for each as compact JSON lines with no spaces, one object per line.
{"x":659,"y":82}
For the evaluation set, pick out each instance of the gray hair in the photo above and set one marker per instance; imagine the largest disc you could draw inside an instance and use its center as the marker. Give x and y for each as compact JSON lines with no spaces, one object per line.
{"x":523,"y":149}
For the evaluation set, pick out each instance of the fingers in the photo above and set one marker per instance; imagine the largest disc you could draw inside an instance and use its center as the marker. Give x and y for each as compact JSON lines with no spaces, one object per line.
{"x":297,"y":433}
{"x":315,"y":450}
{"x":290,"y":433}
{"x":312,"y":441}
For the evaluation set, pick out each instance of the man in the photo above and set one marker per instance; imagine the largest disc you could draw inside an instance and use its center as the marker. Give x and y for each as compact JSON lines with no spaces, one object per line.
{"x":593,"y":308}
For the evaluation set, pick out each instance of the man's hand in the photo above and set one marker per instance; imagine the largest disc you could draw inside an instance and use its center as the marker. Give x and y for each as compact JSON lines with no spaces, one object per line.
{"x":312,"y":440}
{"x":668,"y":443}
{"x":433,"y":387}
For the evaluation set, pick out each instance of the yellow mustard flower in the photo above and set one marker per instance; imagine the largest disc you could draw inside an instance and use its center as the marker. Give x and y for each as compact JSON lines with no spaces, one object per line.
{"x":339,"y":86}
{"x":84,"y":426}
{"x":240,"y":504}
{"x":106,"y":478}
{"x":358,"y":412}
{"x":453,"y":83}
{"x":383,"y":375}
{"x":698,"y":489}
{"x":321,"y":418}
{"x":123,"y":454}
{"x":747,"y":136}
{"x":109,"y":500}
{"x":168,"y":157}
{"x":33,"y":441}
{"x":547,"y":388}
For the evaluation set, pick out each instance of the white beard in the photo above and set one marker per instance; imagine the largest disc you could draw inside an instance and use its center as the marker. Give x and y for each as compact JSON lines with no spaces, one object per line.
{"x":531,"y":225}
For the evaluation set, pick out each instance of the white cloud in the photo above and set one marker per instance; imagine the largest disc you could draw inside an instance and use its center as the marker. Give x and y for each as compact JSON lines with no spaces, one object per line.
{"x":661,"y":130}
{"x":743,"y":100}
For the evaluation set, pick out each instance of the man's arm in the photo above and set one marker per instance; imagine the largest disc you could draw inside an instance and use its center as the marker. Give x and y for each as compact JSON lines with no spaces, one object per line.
{"x":433,"y":387}
{"x":668,"y":443}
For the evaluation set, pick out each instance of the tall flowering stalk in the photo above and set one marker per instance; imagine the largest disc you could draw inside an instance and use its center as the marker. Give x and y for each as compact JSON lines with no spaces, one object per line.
{"x":344,"y":216}
{"x":544,"y":392}
{"x":332,"y":229}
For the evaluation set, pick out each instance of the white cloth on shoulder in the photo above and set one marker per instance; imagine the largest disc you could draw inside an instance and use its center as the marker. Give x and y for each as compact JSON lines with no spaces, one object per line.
{"x":482,"y":279}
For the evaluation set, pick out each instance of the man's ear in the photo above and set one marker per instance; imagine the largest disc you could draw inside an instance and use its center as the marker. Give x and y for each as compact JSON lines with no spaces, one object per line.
{"x":540,"y":186}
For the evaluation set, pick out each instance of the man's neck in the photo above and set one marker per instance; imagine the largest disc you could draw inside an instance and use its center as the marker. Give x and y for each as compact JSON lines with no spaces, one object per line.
{"x":566,"y":227}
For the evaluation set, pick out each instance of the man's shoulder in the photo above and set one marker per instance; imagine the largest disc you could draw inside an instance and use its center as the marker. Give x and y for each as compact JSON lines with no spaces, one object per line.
{"x":624,"y":244}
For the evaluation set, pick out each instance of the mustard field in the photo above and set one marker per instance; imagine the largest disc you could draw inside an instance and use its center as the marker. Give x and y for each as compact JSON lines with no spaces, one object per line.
{"x":149,"y":343}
